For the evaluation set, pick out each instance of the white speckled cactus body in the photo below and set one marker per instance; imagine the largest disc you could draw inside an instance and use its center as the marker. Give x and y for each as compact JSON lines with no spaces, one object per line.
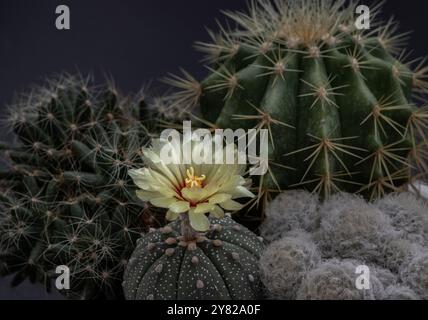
{"x":221,"y":264}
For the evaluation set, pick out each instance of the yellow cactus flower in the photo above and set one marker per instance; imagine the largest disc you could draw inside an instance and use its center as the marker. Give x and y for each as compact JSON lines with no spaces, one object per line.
{"x":193,"y":189}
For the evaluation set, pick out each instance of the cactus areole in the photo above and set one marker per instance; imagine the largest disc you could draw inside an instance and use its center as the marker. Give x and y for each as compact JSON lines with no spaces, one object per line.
{"x":336,"y":100}
{"x":178,"y":263}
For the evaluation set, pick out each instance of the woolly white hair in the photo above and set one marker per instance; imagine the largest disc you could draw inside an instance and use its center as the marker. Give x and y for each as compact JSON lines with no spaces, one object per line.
{"x":415,"y":274}
{"x":291,"y":210}
{"x":335,"y":280}
{"x":400,"y":292}
{"x":285,"y":262}
{"x":409,"y":215}
{"x":353,"y":228}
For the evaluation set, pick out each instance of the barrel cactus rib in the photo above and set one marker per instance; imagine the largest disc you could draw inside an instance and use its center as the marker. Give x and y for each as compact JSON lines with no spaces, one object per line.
{"x":222,"y":264}
{"x":340,"y":104}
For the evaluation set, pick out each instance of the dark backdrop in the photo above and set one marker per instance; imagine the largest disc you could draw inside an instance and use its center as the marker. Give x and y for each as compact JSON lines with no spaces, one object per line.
{"x":134,"y":41}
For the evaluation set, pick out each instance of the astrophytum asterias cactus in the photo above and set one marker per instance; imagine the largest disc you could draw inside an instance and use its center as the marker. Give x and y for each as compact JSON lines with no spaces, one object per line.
{"x":336,"y":100}
{"x":220,"y":264}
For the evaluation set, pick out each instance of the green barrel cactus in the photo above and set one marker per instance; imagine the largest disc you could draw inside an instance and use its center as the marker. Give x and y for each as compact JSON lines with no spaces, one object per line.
{"x":65,"y":195}
{"x":340,"y":103}
{"x":176,"y":263}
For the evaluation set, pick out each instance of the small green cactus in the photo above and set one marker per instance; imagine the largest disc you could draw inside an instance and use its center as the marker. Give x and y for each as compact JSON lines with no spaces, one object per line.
{"x":337,"y":101}
{"x":176,"y":263}
{"x":65,"y":195}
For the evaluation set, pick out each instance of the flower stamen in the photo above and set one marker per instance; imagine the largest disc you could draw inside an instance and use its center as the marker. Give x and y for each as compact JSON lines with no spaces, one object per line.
{"x":194,"y":181}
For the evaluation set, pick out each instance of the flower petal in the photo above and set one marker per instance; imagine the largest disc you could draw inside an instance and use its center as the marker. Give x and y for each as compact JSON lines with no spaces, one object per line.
{"x":163,"y":202}
{"x":180,"y":207}
{"x":219,"y":198}
{"x":198,"y":221}
{"x":195,"y":194}
{"x":147,"y":195}
{"x":172,"y":216}
{"x":242,"y":192}
{"x":231,"y":205}
{"x":203,"y":208}
{"x":217,"y":212}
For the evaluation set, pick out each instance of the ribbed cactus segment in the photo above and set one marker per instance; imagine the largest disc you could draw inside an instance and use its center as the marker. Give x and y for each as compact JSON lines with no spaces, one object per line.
{"x":337,"y":101}
{"x":220,"y":265}
{"x":66,"y":198}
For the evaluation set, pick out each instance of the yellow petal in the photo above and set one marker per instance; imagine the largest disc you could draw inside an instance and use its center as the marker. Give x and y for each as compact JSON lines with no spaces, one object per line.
{"x":231,"y":205}
{"x":172,"y":216}
{"x":164,"y":202}
{"x":194,"y":194}
{"x":203,"y":208}
{"x":217,"y":212}
{"x":242,"y":192}
{"x":219,"y":198}
{"x":140,"y":177}
{"x":180,"y":207}
{"x":198,"y":221}
{"x":147,"y":195}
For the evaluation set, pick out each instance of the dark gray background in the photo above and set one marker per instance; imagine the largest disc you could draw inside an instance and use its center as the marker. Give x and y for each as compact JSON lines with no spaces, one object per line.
{"x":134,"y":41}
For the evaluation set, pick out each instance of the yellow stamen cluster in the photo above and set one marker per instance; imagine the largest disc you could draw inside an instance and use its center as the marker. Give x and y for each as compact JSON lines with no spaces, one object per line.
{"x":193,"y":180}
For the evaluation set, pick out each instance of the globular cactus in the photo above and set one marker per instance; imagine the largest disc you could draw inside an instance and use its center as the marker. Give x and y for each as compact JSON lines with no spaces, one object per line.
{"x":286,"y":262}
{"x":293,"y":210}
{"x":171,"y":263}
{"x":387,"y":236}
{"x":337,"y":101}
{"x":336,"y":280}
{"x":400,"y":293}
{"x":352,"y":228}
{"x":66,"y":198}
{"x":408,"y":215}
{"x":415,"y":274}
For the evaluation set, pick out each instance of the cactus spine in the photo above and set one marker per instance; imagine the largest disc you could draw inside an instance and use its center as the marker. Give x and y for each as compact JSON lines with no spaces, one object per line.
{"x":337,"y":101}
{"x":66,"y":198}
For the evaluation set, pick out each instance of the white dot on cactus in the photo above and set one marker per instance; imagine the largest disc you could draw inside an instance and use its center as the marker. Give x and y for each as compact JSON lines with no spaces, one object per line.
{"x":235,"y":256}
{"x":251,"y":278}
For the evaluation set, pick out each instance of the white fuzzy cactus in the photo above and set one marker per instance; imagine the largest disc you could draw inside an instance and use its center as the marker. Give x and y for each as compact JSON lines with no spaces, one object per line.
{"x":388,"y":236}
